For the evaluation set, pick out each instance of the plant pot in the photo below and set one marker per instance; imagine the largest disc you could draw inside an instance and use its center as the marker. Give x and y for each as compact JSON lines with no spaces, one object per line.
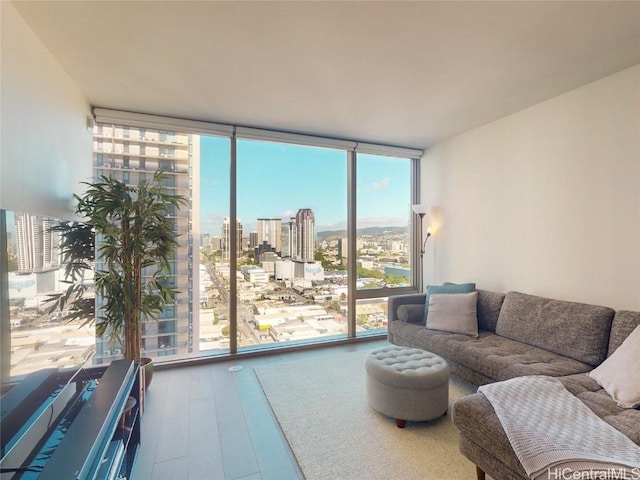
{"x":147,"y":364}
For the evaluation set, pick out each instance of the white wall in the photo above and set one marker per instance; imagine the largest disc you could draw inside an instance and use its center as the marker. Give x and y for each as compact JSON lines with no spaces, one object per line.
{"x":45,"y":145}
{"x":545,"y":201}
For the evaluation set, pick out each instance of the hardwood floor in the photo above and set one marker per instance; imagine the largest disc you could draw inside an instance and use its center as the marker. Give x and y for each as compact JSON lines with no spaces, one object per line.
{"x":210,"y":422}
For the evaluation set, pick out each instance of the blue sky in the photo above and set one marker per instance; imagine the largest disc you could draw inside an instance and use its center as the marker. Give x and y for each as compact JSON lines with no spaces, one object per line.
{"x":275,"y":180}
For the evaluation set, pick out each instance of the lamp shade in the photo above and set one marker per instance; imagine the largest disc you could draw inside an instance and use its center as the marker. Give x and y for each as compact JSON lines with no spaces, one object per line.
{"x":420,"y":208}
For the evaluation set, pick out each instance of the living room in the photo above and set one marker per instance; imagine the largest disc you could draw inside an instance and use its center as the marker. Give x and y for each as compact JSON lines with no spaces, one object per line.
{"x":527,"y":113}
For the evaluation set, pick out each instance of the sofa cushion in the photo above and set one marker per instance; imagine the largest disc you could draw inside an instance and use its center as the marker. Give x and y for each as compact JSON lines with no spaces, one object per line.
{"x":489,"y":305}
{"x":624,"y":322}
{"x":575,"y":330}
{"x":596,"y":398}
{"x":490,"y":355}
{"x":619,"y":374}
{"x":455,"y":313}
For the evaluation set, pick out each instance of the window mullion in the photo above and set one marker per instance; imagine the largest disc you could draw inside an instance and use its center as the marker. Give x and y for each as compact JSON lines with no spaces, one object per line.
{"x":352,"y":246}
{"x":417,"y":267}
{"x":233,"y":249}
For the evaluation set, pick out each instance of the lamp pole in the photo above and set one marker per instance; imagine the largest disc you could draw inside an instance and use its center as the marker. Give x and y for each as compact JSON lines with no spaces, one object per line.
{"x":421,"y":211}
{"x":423,"y":246}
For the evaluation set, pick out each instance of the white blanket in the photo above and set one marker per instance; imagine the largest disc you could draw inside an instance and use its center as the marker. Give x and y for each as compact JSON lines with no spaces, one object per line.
{"x":554,"y":434}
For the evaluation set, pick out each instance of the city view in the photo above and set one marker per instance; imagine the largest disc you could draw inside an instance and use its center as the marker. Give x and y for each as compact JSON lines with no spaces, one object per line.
{"x":291,"y":253}
{"x":292,"y":274}
{"x":283,"y":298}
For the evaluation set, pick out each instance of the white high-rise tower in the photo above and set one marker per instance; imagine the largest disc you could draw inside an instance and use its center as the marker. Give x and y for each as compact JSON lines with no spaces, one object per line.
{"x":131,"y":154}
{"x":306,"y":235}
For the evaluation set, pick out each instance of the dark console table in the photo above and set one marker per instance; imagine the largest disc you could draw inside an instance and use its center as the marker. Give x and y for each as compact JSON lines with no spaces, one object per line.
{"x":82,"y":425}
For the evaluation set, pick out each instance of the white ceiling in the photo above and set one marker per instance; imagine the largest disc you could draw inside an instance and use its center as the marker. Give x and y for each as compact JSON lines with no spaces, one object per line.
{"x":399,"y":73}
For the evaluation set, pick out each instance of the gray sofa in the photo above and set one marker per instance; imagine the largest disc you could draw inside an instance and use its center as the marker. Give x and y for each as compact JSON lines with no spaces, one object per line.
{"x":519,"y":334}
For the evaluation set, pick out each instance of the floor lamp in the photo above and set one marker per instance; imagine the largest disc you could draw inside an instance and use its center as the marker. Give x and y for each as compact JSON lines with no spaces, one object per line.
{"x":421,"y":210}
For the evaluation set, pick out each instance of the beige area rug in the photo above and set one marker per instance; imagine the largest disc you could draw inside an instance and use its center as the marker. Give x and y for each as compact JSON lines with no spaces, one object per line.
{"x":322,"y":408}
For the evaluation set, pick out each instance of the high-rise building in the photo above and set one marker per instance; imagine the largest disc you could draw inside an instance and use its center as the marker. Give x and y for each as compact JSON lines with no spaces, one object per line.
{"x":269,"y":231}
{"x":306,"y":235}
{"x":226,"y":237}
{"x":37,"y":246}
{"x":132,"y":154}
{"x":253,"y":239}
{"x":289,"y":239}
{"x":343,"y":250}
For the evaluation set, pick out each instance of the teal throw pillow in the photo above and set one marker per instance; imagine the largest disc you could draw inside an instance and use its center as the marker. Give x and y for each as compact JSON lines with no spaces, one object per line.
{"x":448,"y":288}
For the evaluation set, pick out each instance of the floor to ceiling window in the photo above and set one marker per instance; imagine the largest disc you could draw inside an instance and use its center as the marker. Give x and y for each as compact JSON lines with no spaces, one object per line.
{"x":287,"y":238}
{"x":291,"y":280}
{"x":383,"y":235}
{"x":214,"y":223}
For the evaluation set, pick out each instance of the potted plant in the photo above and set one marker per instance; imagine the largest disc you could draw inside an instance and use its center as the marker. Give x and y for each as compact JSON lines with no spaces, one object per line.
{"x":136,"y":243}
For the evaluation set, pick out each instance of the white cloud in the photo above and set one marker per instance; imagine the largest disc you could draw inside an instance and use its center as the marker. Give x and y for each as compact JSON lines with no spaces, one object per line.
{"x":288,"y":214}
{"x":381,"y":184}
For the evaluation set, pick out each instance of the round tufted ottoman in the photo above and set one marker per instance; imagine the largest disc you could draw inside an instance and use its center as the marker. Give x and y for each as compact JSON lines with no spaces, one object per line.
{"x":407,"y":383}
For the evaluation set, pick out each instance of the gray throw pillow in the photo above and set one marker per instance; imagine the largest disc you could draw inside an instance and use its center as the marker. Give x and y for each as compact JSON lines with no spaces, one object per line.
{"x":411,"y":313}
{"x":453,"y":313}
